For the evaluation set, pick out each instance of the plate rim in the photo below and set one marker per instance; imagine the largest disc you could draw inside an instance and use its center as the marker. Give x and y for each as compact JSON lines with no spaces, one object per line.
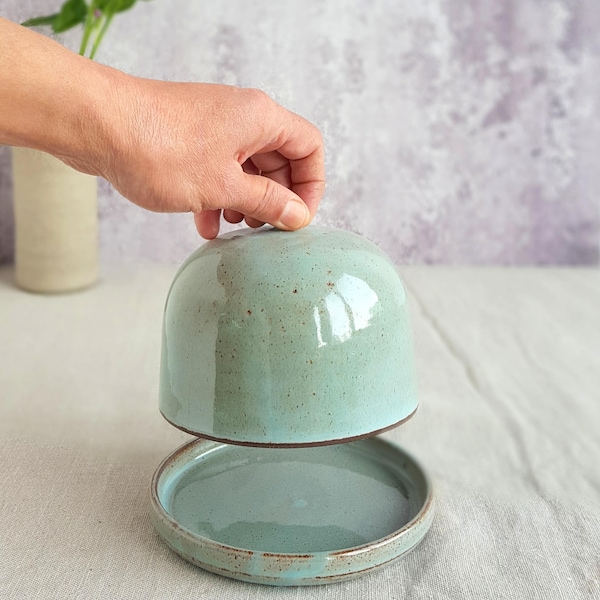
{"x":422,"y":519}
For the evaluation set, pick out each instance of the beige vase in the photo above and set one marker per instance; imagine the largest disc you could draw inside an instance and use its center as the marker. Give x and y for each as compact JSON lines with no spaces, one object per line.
{"x":56,"y":224}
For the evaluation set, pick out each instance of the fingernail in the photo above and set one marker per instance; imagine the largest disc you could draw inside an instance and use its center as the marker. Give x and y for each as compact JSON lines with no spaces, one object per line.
{"x":294,"y":215}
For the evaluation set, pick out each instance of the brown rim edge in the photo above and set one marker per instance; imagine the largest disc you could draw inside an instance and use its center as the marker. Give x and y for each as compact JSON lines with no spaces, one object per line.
{"x":354,"y":438}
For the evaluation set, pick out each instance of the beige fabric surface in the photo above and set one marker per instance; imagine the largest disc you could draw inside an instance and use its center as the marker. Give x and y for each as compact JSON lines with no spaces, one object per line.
{"x":508,"y":428}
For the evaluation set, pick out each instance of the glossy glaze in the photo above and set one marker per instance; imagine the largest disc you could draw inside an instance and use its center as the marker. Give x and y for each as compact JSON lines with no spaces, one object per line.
{"x":297,"y":338}
{"x":291,"y":517}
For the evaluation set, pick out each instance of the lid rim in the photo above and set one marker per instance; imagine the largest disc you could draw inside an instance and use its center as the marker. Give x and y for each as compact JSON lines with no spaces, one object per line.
{"x":325,"y":442}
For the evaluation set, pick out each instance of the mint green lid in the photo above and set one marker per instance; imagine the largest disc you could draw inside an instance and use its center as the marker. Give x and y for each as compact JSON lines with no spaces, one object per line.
{"x":287,"y":338}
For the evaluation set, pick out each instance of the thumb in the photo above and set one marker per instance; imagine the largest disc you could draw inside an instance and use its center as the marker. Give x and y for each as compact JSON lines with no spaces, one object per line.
{"x":270,"y":202}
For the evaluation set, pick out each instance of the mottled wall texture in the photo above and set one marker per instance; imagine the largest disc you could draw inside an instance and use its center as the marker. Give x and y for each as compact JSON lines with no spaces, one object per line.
{"x":457,"y":131}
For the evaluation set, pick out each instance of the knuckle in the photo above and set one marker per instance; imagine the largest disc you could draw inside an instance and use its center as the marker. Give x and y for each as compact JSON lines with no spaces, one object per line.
{"x":315,"y":136}
{"x":259,"y":99}
{"x":319,"y":137}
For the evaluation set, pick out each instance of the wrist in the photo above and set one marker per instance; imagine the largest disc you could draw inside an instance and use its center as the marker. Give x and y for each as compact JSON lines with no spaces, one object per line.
{"x":95,"y":121}
{"x":55,"y":100}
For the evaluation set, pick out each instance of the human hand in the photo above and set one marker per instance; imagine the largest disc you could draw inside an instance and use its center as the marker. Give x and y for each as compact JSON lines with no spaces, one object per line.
{"x":206,"y":148}
{"x":167,"y":147}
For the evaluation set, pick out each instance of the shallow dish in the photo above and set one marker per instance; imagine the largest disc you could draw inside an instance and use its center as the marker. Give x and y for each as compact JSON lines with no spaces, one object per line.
{"x":283,"y":516}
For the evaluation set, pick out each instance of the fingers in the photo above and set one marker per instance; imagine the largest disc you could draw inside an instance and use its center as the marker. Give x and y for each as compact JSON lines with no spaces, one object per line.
{"x":303,"y":148}
{"x":308,"y":178}
{"x":274,"y":166}
{"x":276,"y":174}
{"x":294,"y":144}
{"x":249,"y":167}
{"x":233,"y":216}
{"x":263,"y":200}
{"x":208,"y":223}
{"x":254,"y":223}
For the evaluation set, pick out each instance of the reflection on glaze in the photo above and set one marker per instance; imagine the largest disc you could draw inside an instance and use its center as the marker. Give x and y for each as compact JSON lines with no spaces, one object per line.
{"x":339,"y":321}
{"x":349,"y":307}
{"x":360,"y":299}
{"x":317,"y":317}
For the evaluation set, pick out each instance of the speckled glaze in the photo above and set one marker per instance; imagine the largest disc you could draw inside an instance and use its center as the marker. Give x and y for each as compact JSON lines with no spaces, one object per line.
{"x":291,"y":517}
{"x":279,"y":338}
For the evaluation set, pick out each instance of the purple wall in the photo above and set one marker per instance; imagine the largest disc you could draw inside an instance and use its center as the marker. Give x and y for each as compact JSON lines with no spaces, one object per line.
{"x":458,"y":131}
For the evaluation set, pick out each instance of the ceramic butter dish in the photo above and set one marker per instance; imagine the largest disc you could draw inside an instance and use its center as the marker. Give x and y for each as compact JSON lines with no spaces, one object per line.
{"x":285,"y":353}
{"x":292,"y":339}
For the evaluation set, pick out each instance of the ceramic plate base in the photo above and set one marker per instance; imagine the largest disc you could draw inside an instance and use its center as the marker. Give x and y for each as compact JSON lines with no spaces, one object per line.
{"x":284,"y":516}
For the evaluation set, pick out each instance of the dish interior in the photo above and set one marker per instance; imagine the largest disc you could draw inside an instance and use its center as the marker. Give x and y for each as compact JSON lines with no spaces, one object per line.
{"x":301,"y":500}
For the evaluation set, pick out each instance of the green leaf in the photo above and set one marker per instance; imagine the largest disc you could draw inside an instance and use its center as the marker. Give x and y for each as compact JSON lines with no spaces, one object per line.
{"x":115,"y":6}
{"x":72,"y":12}
{"x":48,"y":20}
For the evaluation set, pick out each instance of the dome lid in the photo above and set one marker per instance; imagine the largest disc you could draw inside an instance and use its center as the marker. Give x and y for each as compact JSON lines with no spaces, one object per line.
{"x":274,"y":338}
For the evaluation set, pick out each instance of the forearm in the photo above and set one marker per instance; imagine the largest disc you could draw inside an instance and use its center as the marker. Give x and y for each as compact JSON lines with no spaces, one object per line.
{"x":50,"y":97}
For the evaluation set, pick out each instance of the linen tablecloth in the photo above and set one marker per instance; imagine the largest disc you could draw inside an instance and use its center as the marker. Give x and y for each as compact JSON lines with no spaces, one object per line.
{"x":508,"y":429}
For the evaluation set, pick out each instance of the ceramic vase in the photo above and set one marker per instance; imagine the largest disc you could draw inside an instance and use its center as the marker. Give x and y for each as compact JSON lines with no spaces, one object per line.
{"x":56,"y":224}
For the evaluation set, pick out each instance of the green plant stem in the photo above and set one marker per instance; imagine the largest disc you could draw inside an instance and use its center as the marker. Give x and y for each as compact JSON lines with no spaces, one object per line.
{"x":87,"y":27}
{"x":100,"y":35}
